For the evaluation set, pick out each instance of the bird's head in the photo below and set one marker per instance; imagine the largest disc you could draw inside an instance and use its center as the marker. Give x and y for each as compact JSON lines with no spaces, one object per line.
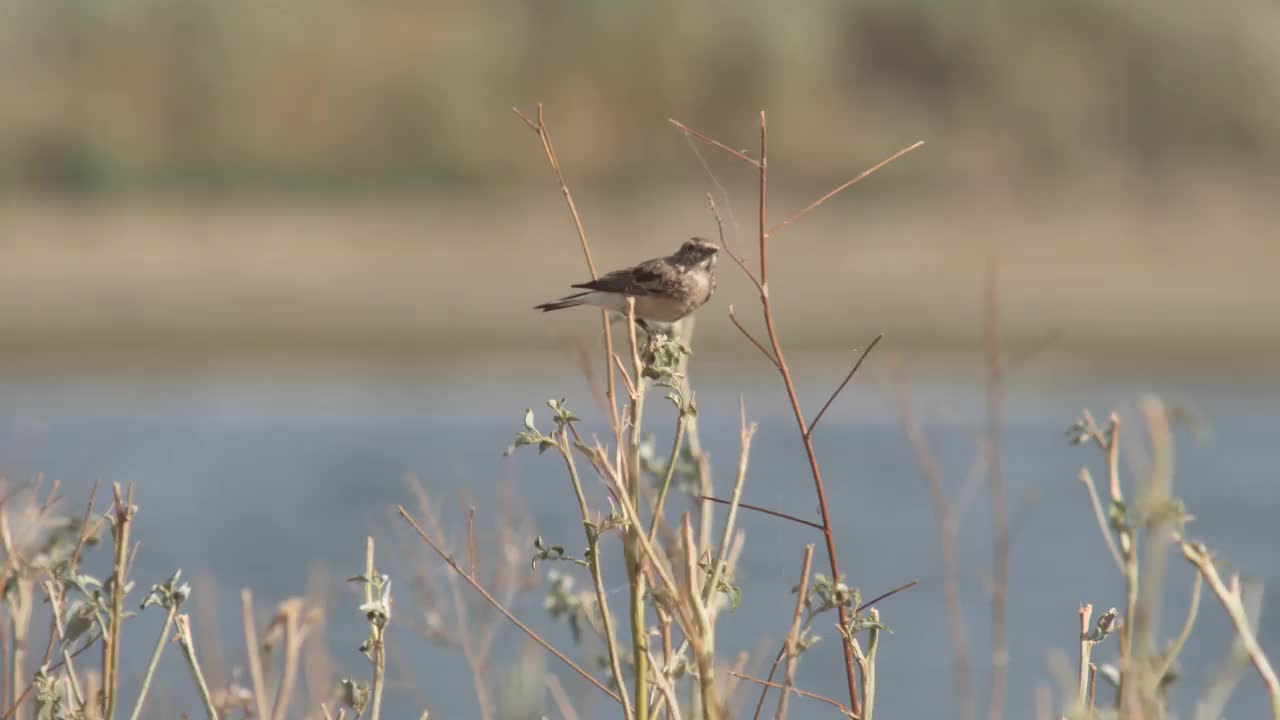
{"x":697,"y":252}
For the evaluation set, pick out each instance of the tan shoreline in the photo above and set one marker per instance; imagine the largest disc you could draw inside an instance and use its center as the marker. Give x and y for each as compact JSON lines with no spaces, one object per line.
{"x":1096,"y":269}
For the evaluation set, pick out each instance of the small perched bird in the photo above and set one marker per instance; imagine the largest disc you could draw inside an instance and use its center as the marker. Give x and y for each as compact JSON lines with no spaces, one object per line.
{"x":666,"y":289}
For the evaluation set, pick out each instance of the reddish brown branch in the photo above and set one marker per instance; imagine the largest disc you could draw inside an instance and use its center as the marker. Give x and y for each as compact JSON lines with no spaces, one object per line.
{"x":764,"y":510}
{"x":802,"y":693}
{"x":843,"y":383}
{"x":848,"y":184}
{"x":736,"y":153}
{"x":544,"y":136}
{"x":724,"y":243}
{"x":747,"y":334}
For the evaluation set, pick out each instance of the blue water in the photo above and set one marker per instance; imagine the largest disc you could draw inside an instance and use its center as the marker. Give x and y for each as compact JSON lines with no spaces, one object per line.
{"x":256,"y":474}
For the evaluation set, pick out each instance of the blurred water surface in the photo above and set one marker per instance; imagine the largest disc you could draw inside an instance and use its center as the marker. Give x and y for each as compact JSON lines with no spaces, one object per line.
{"x":256,"y":474}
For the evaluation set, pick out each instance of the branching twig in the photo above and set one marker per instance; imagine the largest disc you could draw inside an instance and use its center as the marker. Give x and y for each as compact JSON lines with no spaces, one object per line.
{"x":779,"y":360}
{"x":497,"y":606}
{"x":1198,"y":555}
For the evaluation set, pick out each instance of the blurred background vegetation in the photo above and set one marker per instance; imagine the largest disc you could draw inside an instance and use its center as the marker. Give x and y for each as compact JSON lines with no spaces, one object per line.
{"x":306,"y":143}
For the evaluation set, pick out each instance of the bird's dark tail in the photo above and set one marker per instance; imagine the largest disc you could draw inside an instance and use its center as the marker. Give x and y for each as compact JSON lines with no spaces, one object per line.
{"x":565,"y":302}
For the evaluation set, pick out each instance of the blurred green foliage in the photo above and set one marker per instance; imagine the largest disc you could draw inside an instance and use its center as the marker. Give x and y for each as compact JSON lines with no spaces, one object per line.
{"x":341,"y":95}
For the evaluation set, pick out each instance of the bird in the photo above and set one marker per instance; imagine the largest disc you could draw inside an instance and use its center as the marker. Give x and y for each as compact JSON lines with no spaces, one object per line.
{"x":666,"y":289}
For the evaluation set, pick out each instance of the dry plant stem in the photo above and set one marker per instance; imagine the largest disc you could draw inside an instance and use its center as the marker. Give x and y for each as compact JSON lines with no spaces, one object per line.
{"x":254,"y":652}
{"x":1187,"y":625}
{"x":767,"y":311}
{"x":710,"y":141}
{"x":703,"y":641}
{"x":793,"y":635}
{"x":667,"y":692}
{"x":1100,"y":515}
{"x":635,"y":567}
{"x":1230,"y":599}
{"x":1093,"y":689}
{"x":682,"y":422}
{"x":475,"y":585}
{"x":782,"y":651}
{"x":1086,"y":645}
{"x":155,"y":660}
{"x":544,"y":136}
{"x":72,"y":677}
{"x":187,"y":643}
{"x":379,"y":630}
{"x":123,"y":510}
{"x":945,"y":515}
{"x":867,"y":661}
{"x":746,"y":433}
{"x":597,"y":574}
{"x":290,"y":612}
{"x":802,"y":693}
{"x":999,"y":516}
{"x":655,"y":559}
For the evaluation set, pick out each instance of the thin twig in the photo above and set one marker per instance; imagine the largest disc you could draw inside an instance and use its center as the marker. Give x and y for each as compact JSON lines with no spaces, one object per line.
{"x":497,"y":606}
{"x":736,"y":153}
{"x":745,"y":433}
{"x":802,"y":693}
{"x":765,"y":510}
{"x":843,"y":383}
{"x":544,"y":136}
{"x":747,"y":334}
{"x":845,"y":186}
{"x":1087,"y":479}
{"x":724,"y":243}
{"x":597,"y":574}
{"x":682,"y":422}
{"x":793,"y":635}
{"x":885,"y":595}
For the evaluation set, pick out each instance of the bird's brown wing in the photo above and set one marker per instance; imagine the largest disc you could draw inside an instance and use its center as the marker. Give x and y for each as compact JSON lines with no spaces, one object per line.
{"x":643,"y":279}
